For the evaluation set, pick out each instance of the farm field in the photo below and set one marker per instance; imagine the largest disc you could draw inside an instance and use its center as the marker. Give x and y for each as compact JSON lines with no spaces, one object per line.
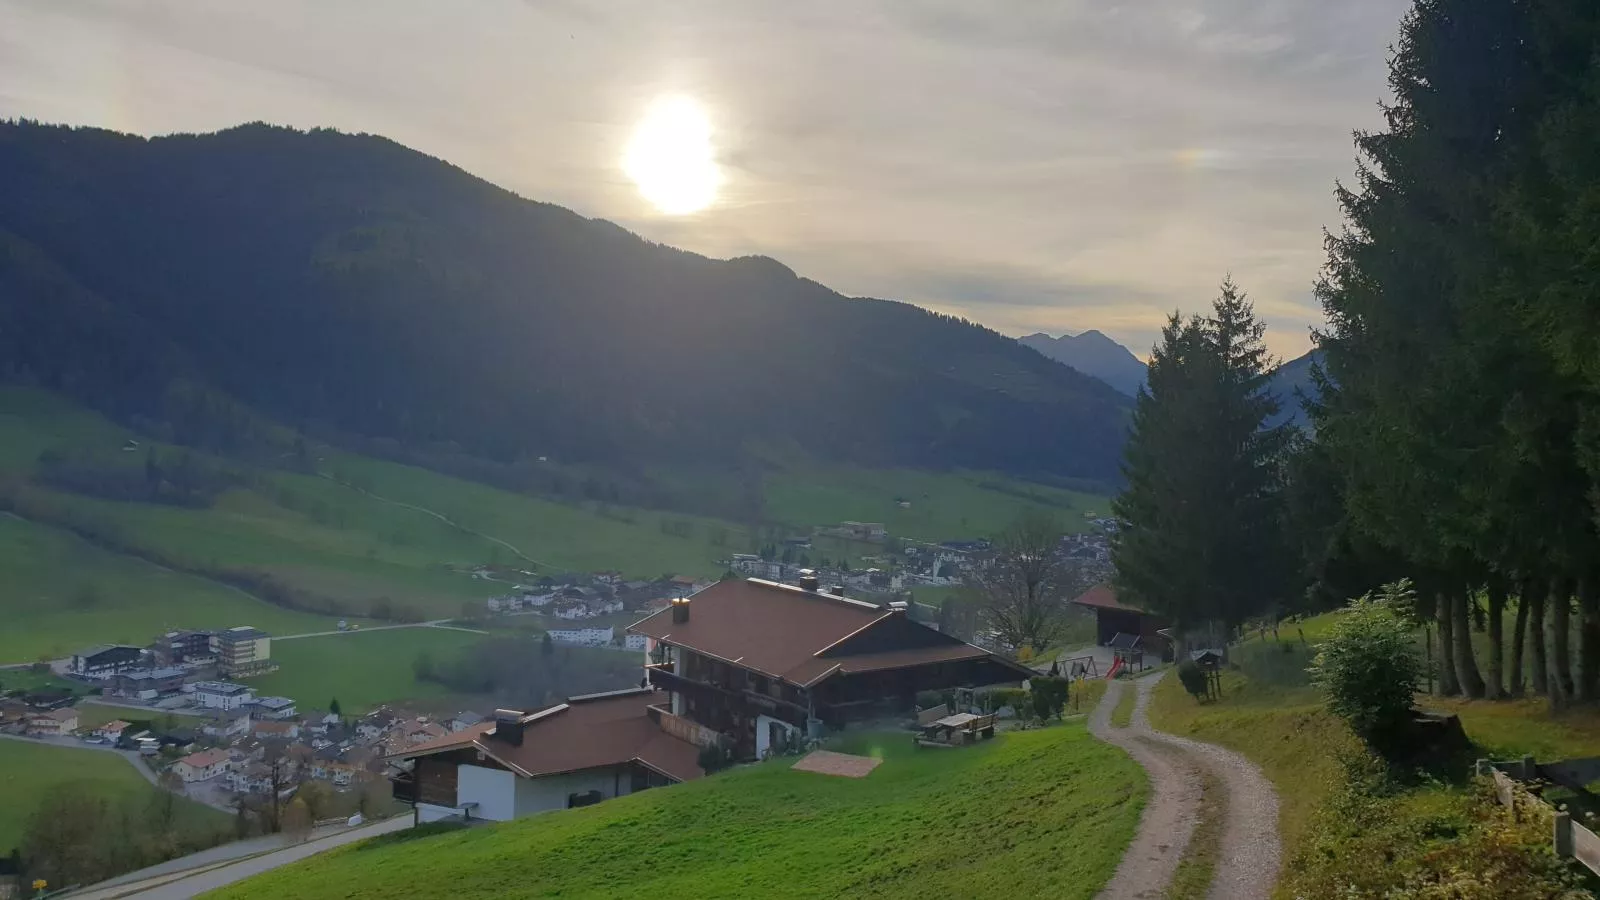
{"x":1051,"y":808}
{"x":363,"y":669}
{"x":29,"y":771}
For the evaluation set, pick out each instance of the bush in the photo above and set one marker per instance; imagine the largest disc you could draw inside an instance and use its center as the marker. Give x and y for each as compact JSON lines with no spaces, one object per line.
{"x":1369,"y":668}
{"x":1193,"y":679}
{"x":1016,"y":698}
{"x":927,"y":699}
{"x":1049,"y":695}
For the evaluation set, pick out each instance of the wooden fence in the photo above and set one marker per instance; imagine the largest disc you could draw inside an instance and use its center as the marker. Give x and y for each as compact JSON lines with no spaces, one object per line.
{"x":1569,"y":838}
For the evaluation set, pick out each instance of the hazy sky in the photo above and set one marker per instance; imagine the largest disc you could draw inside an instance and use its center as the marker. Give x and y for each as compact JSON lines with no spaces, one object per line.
{"x":1036,"y":166}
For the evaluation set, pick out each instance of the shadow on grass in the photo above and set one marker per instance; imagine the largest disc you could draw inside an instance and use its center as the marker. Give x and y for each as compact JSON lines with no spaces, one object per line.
{"x":427,"y":829}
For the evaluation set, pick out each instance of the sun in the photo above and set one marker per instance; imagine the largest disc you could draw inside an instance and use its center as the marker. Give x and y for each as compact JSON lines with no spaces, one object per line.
{"x":670,"y":157}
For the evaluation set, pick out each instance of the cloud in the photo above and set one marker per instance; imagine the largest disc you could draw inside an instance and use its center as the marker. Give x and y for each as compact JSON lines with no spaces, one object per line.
{"x":1062,"y":166}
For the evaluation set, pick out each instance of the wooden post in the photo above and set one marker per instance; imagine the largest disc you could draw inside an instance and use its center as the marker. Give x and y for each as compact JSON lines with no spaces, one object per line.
{"x":1563,"y":834}
{"x":1530,"y":769}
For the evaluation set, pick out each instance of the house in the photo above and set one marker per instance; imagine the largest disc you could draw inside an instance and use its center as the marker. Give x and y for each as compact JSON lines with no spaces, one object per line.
{"x":112,"y":731}
{"x":145,"y":683}
{"x":1113,"y":617}
{"x":864,"y":531}
{"x":588,"y":637}
{"x":221,"y":694}
{"x":54,"y":723}
{"x":270,"y":730}
{"x":253,"y":778}
{"x":224,"y":724}
{"x":465,"y":720}
{"x":587,"y":749}
{"x":766,"y":664}
{"x":99,"y":662}
{"x":201,"y":766}
{"x":189,"y":649}
{"x":279,"y":708}
{"x":375,"y":725}
{"x":419,"y":730}
{"x":243,"y":651}
{"x":49,"y":699}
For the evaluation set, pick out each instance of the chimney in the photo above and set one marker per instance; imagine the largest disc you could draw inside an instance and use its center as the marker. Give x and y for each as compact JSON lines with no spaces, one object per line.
{"x":508,"y":726}
{"x":808,"y":580}
{"x":680,"y":610}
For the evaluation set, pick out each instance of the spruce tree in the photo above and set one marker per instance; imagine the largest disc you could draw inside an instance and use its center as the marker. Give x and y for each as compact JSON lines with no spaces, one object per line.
{"x":1200,"y":522}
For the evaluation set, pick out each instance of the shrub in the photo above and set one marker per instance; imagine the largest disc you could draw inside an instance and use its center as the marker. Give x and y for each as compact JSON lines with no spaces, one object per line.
{"x":926,"y":699}
{"x":1369,"y":668}
{"x":1193,"y":679}
{"x":1049,"y":695}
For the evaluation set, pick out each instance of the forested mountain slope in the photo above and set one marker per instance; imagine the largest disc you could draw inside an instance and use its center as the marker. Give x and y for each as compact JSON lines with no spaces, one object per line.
{"x":349,"y":284}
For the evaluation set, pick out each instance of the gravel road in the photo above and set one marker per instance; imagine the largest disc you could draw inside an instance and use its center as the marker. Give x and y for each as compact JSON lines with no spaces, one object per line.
{"x":1247,"y":865}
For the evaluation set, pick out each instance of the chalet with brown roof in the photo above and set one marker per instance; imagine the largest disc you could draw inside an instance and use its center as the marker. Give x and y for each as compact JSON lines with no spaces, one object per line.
{"x":587,"y":749}
{"x":1113,"y":617}
{"x":765,"y":664}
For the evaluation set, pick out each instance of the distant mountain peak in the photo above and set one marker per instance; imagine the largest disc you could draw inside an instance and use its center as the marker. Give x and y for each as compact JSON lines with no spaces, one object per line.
{"x":1094,"y":354}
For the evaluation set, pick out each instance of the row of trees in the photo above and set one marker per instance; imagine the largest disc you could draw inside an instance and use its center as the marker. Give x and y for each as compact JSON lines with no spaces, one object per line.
{"x":1456,"y":429}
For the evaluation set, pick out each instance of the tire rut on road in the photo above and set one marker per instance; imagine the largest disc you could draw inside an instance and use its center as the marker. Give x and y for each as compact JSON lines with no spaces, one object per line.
{"x":1247,"y":864}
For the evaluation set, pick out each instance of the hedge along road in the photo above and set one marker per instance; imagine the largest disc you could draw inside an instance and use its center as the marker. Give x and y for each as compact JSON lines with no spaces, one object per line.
{"x":1247,"y":867}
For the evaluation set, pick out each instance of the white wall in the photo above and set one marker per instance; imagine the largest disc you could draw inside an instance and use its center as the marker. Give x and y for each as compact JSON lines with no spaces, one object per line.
{"x":550,"y":792}
{"x":764,"y":733}
{"x":494,"y":790}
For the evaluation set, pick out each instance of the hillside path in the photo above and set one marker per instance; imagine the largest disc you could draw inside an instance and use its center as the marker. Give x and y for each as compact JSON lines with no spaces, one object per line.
{"x":440,"y":516}
{"x":1248,"y":860}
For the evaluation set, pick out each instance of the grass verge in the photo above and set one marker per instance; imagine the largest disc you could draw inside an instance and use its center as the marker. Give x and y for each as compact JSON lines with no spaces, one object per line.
{"x":1122,"y":715}
{"x":1192,"y":880}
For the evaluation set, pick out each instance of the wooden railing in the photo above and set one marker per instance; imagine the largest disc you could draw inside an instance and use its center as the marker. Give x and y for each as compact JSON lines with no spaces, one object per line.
{"x":684,"y":729}
{"x":1570,"y":839}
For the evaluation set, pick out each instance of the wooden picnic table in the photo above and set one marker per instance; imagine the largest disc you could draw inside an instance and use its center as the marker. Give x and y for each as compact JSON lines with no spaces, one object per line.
{"x":961,"y":728}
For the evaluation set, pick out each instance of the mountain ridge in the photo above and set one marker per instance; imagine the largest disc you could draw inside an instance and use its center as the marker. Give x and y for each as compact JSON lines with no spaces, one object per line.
{"x":1094,"y":354}
{"x":345,"y":281}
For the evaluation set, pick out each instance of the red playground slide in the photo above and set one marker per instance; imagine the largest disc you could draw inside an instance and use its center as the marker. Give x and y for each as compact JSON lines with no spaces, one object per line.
{"x":1115,"y":668}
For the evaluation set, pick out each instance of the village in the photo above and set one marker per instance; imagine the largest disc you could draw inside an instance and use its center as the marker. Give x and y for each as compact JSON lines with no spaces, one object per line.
{"x":183,"y":707}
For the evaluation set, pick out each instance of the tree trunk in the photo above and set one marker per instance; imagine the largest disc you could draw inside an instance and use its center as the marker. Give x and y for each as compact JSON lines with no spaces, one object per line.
{"x":1559,"y":621}
{"x":1495,"y":688}
{"x":1589,"y":638}
{"x":1519,"y":634}
{"x":1448,"y":685}
{"x":1466,"y":660}
{"x":1536,"y":665}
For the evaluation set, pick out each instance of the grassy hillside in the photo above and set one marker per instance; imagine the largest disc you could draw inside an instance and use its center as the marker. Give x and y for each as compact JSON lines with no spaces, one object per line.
{"x":364,"y":535}
{"x":29,"y":771}
{"x":1334,"y":824}
{"x":362,"y":670}
{"x":1045,"y":813}
{"x":62,"y":594}
{"x":943,"y":506}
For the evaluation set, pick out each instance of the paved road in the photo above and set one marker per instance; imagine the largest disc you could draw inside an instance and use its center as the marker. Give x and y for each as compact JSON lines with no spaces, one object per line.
{"x":436,"y":623}
{"x":210,"y":877}
{"x":1247,"y":864}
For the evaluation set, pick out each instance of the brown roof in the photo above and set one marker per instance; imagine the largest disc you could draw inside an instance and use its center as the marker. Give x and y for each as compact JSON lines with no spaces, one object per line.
{"x":822,"y":666}
{"x":65,"y":714}
{"x":1101,"y":596}
{"x":205,"y":758}
{"x":761,"y":625}
{"x":583,"y":733}
{"x":787,"y":632}
{"x":280,"y":728}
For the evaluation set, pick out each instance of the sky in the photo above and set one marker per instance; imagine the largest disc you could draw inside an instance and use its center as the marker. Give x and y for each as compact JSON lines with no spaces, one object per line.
{"x":1033,"y":166}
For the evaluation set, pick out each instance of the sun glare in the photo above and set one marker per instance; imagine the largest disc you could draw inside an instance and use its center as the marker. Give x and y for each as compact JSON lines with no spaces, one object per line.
{"x":670,"y":157}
